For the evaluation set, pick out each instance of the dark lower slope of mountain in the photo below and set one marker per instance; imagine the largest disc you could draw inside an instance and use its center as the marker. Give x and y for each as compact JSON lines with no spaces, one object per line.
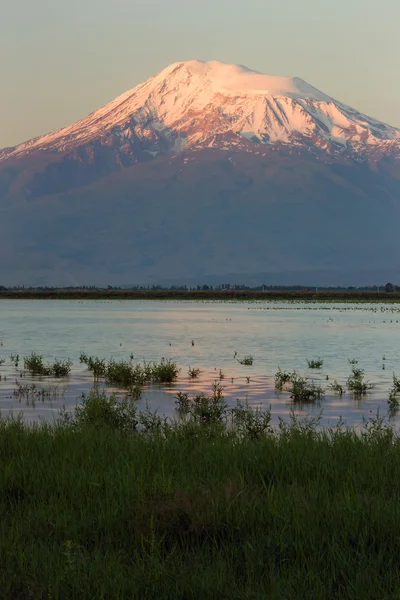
{"x":206,"y":215}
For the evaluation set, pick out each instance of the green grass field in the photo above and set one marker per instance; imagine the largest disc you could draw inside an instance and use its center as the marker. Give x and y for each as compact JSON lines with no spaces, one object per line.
{"x":116,"y":504}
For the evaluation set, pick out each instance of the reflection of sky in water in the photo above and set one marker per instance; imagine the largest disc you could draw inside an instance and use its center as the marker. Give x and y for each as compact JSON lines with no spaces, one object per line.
{"x":277,"y":334}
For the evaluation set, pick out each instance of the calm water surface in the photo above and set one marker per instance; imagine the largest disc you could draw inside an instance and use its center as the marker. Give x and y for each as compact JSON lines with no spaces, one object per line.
{"x":277,"y":334}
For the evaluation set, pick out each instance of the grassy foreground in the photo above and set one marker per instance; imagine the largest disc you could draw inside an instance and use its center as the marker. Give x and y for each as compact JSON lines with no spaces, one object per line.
{"x":114,"y":504}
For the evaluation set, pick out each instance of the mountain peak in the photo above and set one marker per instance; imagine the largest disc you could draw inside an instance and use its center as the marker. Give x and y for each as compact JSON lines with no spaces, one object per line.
{"x":202,"y":104}
{"x":237,"y":79}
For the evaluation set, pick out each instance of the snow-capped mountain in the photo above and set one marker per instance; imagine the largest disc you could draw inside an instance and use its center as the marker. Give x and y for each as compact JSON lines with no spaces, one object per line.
{"x":198,"y":104}
{"x":205,"y":172}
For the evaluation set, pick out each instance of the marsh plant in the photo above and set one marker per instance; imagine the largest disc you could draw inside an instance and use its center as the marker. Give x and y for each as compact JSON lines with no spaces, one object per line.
{"x":352,"y":361}
{"x":126,"y":374}
{"x":357,"y":384}
{"x":193,"y":373}
{"x":83,"y":358}
{"x":246,"y":360}
{"x":337,"y":388}
{"x":315,"y":364}
{"x":29,"y":392}
{"x":282,"y":378}
{"x":101,"y":410}
{"x":35,"y":365}
{"x":301,"y":390}
{"x":393,"y":394}
{"x":182,"y":402}
{"x":15,"y":359}
{"x":61,"y":368}
{"x":202,"y":408}
{"x":134,"y":392}
{"x":251,"y":423}
{"x":396,"y":384}
{"x":209,"y":409}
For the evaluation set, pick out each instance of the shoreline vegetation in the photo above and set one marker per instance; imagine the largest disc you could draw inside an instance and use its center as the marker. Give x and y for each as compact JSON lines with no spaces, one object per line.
{"x":110,"y":502}
{"x":322,"y":295}
{"x":115,"y":501}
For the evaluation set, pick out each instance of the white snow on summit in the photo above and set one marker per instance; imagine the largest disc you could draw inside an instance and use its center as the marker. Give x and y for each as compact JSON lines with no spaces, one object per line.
{"x":191,"y":103}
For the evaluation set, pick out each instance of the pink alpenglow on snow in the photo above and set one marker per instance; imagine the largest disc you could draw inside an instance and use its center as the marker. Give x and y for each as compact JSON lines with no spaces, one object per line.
{"x":196,"y":104}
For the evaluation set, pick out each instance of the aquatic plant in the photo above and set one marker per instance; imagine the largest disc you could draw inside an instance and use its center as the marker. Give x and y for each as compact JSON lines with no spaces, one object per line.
{"x":35,"y":365}
{"x":165,"y":372}
{"x":315,"y":364}
{"x":182,"y":402}
{"x":61,"y":368}
{"x":247,"y":360}
{"x":303,"y":391}
{"x":251,"y":423}
{"x":357,"y":384}
{"x":337,"y":388}
{"x":14,"y":359}
{"x":193,"y":373}
{"x":83,"y":358}
{"x":283,"y":377}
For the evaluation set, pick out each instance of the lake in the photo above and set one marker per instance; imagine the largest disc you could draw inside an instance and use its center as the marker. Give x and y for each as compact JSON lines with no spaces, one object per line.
{"x":277,"y":334}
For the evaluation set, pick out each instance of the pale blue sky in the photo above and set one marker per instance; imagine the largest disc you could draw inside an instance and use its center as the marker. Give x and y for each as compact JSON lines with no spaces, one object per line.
{"x":61,"y":59}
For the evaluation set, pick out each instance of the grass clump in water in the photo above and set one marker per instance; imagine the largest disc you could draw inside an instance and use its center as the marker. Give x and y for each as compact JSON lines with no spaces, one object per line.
{"x":126,"y":374}
{"x":282,"y":378}
{"x":15,"y":359}
{"x":301,"y":390}
{"x":357,"y":384}
{"x":337,"y":388}
{"x":35,"y":365}
{"x":315,"y":364}
{"x":193,"y":373}
{"x":246,"y":360}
